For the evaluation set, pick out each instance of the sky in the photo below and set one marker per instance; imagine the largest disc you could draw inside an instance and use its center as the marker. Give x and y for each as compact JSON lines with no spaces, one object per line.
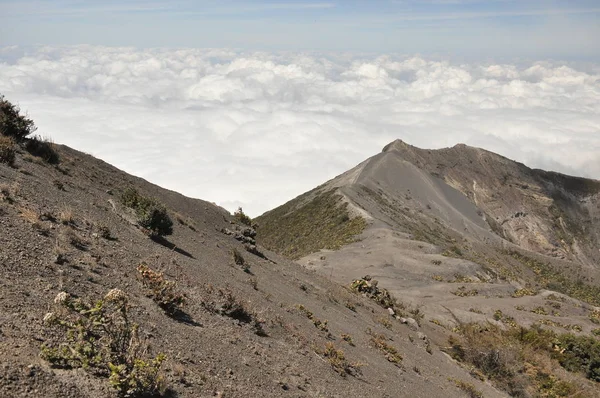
{"x":251,"y":103}
{"x":458,"y":28}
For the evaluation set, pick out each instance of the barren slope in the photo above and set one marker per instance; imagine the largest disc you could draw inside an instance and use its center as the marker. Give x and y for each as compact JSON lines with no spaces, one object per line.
{"x":63,"y":228}
{"x":459,"y":254}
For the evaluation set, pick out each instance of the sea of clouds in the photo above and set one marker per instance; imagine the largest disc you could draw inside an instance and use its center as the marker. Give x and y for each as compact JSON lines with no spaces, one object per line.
{"x":255,"y":129}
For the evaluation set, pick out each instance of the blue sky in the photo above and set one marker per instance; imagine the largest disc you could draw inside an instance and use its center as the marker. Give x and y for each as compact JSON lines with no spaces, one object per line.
{"x":530,"y":29}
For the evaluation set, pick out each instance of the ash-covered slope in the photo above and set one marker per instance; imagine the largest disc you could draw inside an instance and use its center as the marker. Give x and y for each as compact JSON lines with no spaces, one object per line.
{"x":264,"y":328}
{"x":550,"y":213}
{"x":463,"y":235}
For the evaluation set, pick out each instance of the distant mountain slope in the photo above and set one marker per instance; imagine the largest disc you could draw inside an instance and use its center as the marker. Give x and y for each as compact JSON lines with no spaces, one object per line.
{"x":546,"y":212}
{"x":473,"y":191}
{"x":465,"y":236}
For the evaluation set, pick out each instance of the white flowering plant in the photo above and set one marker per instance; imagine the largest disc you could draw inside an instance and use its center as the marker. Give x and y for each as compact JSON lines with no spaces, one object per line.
{"x":100,"y":338}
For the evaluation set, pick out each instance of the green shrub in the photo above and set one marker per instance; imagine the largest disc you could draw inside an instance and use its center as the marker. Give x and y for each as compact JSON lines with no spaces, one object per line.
{"x":141,"y":380}
{"x":101,"y":339}
{"x":7,"y":150}
{"x":242,"y":217}
{"x":12,"y":123}
{"x":152,"y":215}
{"x":580,"y":354}
{"x":299,"y":228}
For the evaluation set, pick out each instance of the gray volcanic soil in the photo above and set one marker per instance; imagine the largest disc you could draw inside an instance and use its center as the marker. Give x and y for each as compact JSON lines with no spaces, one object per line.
{"x":212,"y":355}
{"x":407,"y":206}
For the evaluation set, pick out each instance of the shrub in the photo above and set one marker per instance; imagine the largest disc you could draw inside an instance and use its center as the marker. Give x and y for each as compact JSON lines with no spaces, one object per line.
{"x":390,"y":352}
{"x":42,"y":148}
{"x":161,"y":290}
{"x":453,"y":251}
{"x":338,"y":361}
{"x":347,"y":338}
{"x":468,"y":388}
{"x":238,"y":259}
{"x":101,"y":339}
{"x":580,"y":354}
{"x":501,"y":355}
{"x":242,"y":217}
{"x":238,"y":310}
{"x":152,"y":215}
{"x":12,"y":123}
{"x":7,"y":150}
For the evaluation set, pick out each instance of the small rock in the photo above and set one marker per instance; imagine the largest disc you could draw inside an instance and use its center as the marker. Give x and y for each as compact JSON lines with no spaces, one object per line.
{"x":410,"y":322}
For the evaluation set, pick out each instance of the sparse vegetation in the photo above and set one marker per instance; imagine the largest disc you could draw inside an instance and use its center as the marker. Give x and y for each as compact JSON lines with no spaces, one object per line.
{"x":239,"y":260}
{"x":390,"y":352}
{"x":469,"y":388}
{"x":524,"y":292}
{"x":453,"y":251}
{"x":162,"y":291}
{"x":101,"y":339}
{"x":557,"y":280}
{"x":338,"y":361}
{"x":104,"y":231}
{"x":74,"y":239}
{"x":65,"y":216}
{"x":229,"y":305}
{"x":319,"y":324}
{"x":460,"y":278}
{"x":520,"y":359}
{"x":385,"y":322}
{"x":462,"y":291}
{"x":295,"y":229}
{"x":242,"y":217}
{"x":151,"y":215}
{"x":7,"y":150}
{"x":347,"y":338}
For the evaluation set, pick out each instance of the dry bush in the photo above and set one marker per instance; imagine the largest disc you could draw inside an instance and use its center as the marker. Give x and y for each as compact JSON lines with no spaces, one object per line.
{"x":42,"y":148}
{"x":7,"y":150}
{"x":227,"y":304}
{"x":73,"y":238}
{"x":65,"y":216}
{"x":468,"y":388}
{"x":521,"y":360}
{"x":338,"y":361}
{"x":162,"y":291}
{"x":389,"y":351}
{"x":492,"y":353}
{"x":29,"y":215}
{"x":239,"y":260}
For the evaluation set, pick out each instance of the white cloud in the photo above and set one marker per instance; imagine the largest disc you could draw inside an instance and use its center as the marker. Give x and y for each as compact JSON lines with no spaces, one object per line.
{"x":256,"y":129}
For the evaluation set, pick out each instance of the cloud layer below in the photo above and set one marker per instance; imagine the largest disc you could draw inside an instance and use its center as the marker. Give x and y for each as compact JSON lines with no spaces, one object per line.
{"x":256,"y":129}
